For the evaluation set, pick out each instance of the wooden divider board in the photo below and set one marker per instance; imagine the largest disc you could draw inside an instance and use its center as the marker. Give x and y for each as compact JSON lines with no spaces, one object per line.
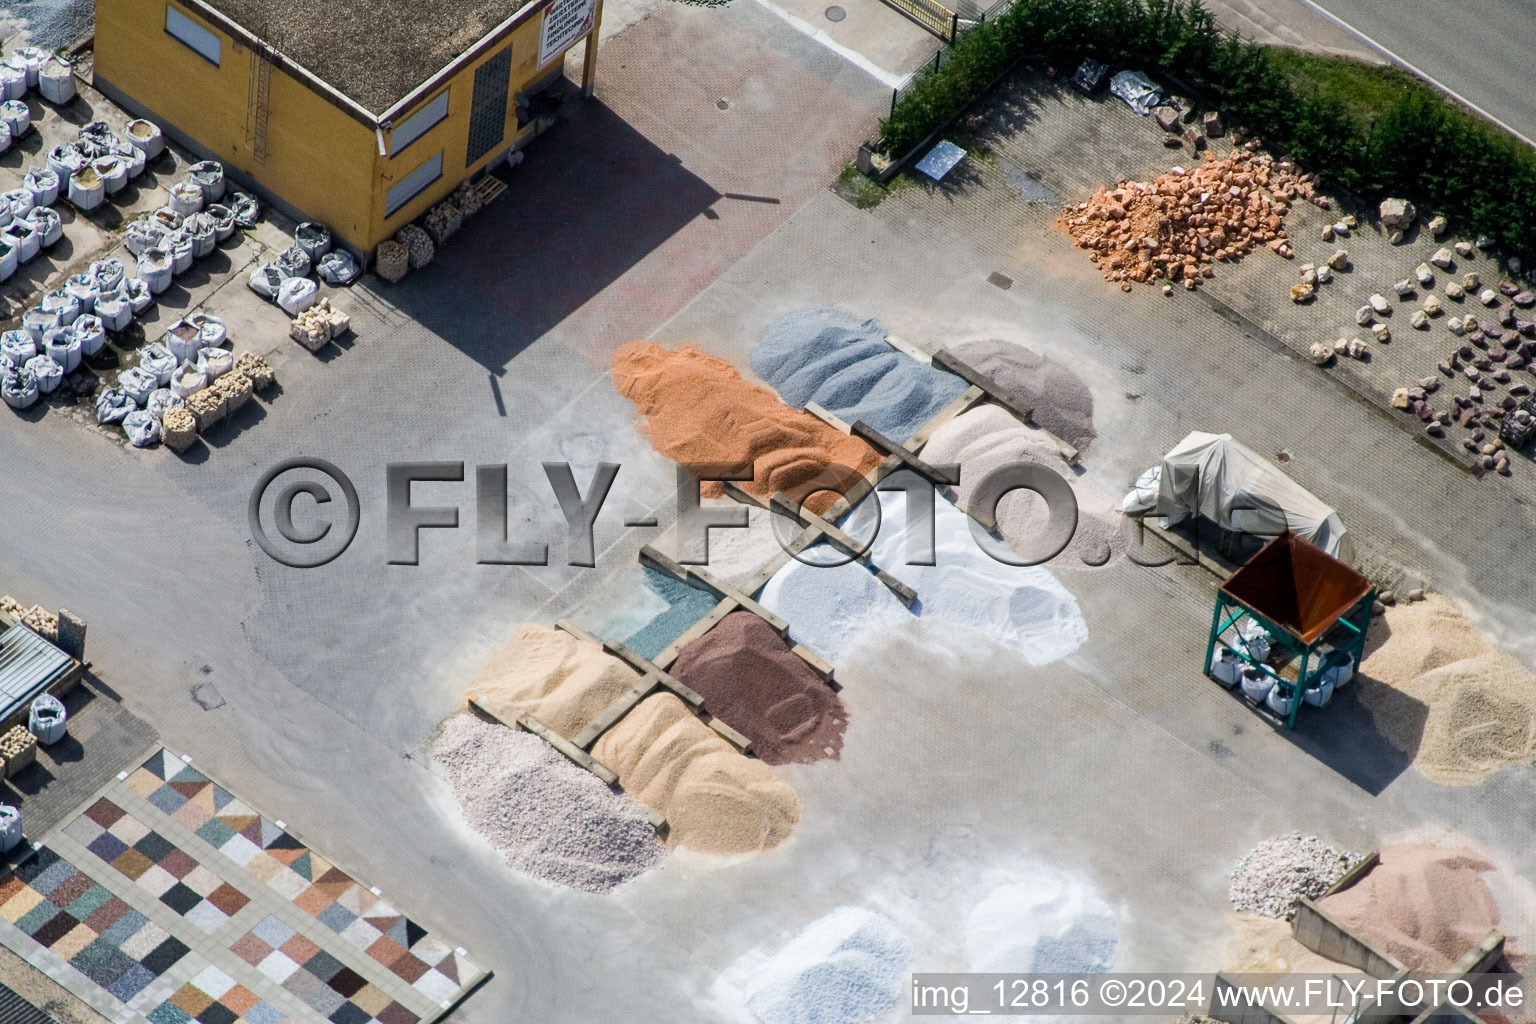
{"x":573,"y":753}
{"x":645,"y":667}
{"x":905,"y":594}
{"x":947,"y":359}
{"x":652,"y":676}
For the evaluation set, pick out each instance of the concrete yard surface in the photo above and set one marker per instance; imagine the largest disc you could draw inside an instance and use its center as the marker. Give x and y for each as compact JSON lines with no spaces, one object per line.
{"x":693,"y":203}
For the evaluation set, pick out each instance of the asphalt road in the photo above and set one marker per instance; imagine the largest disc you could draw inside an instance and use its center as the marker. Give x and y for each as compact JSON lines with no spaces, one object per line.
{"x":1476,"y":51}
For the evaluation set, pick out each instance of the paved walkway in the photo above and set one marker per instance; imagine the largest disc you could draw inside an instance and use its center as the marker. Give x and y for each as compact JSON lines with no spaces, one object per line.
{"x":167,"y":899}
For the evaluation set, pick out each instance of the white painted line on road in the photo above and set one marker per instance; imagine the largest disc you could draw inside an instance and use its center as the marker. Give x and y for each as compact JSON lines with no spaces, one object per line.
{"x":1397,"y":59}
{"x":849,"y":54}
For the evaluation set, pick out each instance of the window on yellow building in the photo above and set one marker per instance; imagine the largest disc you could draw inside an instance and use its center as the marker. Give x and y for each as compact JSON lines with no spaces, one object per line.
{"x":412,"y":185}
{"x":419,"y":123}
{"x":201,"y":41}
{"x":488,"y":108}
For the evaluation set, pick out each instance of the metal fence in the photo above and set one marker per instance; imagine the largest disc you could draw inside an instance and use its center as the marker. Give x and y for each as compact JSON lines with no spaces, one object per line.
{"x":957,"y":26}
{"x":931,"y":15}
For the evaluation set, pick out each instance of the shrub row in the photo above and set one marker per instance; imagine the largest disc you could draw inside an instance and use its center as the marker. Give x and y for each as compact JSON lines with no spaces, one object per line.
{"x":1406,"y":139}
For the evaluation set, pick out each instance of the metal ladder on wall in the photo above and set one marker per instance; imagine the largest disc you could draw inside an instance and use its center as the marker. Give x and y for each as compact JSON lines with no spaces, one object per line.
{"x":258,"y":101}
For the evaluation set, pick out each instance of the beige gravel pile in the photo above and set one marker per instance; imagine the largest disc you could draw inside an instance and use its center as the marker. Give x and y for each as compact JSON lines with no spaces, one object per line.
{"x":989,"y":438}
{"x":562,"y":681}
{"x":180,"y":428}
{"x":1177,"y":225}
{"x":36,"y":618}
{"x":1437,"y":689}
{"x":418,"y":245}
{"x":391,"y":260}
{"x":1426,"y":906}
{"x":715,"y":799}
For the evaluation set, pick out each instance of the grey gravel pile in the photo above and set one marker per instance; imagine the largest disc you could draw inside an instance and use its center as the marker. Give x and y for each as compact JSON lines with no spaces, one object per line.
{"x":1280,"y":872}
{"x":548,"y":817}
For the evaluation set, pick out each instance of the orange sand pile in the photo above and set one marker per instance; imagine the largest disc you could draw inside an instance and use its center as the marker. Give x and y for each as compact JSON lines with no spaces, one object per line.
{"x":698,"y":410}
{"x":562,"y":681}
{"x":1437,"y":689}
{"x":1176,"y":226}
{"x":714,"y":799}
{"x":1425,"y":906}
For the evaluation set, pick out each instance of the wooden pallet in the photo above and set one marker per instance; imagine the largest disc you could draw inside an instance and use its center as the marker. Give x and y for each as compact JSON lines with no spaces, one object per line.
{"x":489,"y":187}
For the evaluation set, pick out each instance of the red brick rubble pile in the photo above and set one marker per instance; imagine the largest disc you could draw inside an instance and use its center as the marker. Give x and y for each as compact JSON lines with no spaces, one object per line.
{"x":1176,"y":227}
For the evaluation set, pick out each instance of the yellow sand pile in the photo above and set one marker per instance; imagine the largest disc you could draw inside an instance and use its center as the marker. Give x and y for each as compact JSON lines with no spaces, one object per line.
{"x":714,"y":799}
{"x":563,"y":681}
{"x":1437,"y":689}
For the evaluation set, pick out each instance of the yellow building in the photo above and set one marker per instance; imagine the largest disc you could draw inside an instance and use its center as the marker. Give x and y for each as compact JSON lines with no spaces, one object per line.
{"x":359,"y":114}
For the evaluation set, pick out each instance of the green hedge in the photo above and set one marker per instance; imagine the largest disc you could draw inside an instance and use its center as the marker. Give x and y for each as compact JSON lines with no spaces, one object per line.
{"x":1373,"y":131}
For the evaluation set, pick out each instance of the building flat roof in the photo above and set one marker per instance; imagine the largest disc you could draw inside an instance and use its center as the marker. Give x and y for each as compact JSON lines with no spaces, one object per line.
{"x":28,"y":666}
{"x":375,"y":52}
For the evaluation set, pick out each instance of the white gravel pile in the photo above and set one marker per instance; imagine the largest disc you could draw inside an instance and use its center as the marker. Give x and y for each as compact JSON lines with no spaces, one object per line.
{"x":548,"y":817}
{"x":1280,"y":872}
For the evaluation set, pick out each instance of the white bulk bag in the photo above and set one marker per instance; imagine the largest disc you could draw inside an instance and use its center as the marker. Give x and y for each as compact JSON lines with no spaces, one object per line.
{"x":62,"y":305}
{"x":63,"y":347}
{"x":48,"y":372}
{"x":43,"y":183}
{"x":85,"y":290}
{"x":91,"y":331}
{"x":47,"y":719}
{"x":48,"y":224}
{"x":56,"y":82}
{"x":146,"y":136}
{"x":18,"y":388}
{"x":214,"y":363}
{"x":18,"y":346}
{"x":142,"y":429}
{"x":137,"y":383}
{"x":297,"y":295}
{"x":187,"y":381}
{"x":138,"y":294}
{"x":115,"y":311}
{"x":158,"y":361}
{"x":112,"y":405}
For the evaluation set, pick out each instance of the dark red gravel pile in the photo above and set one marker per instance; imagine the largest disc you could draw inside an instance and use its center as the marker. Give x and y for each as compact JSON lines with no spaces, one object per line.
{"x":753,"y":682}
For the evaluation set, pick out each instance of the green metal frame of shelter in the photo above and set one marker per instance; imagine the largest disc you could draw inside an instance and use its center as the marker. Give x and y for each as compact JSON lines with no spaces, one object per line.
{"x":1302,"y":597}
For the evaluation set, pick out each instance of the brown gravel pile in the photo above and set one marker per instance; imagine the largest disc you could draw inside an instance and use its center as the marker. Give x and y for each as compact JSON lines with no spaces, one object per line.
{"x":753,"y":682}
{"x":1175,"y":227}
{"x":715,"y":799}
{"x":1424,"y":905}
{"x":1437,"y":689}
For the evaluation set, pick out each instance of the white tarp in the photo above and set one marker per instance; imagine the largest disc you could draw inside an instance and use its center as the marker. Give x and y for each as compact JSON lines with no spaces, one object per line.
{"x":1234,"y":487}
